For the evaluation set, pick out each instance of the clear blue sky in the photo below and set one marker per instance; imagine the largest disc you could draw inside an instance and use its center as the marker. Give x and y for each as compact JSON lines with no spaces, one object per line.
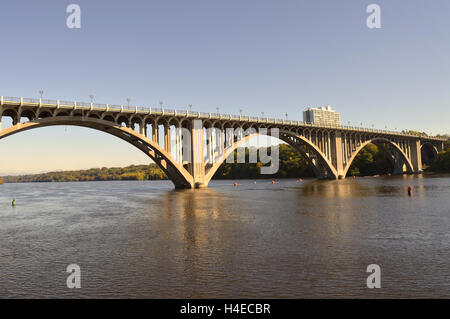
{"x":258,"y":55}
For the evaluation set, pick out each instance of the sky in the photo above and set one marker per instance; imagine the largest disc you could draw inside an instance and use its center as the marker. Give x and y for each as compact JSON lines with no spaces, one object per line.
{"x":256,"y":55}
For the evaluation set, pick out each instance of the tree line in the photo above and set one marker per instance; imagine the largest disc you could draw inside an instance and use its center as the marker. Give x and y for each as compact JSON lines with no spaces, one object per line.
{"x":133,"y":172}
{"x":370,"y":161}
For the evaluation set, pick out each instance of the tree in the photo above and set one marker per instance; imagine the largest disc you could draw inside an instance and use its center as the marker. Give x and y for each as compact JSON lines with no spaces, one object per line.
{"x":442,"y":163}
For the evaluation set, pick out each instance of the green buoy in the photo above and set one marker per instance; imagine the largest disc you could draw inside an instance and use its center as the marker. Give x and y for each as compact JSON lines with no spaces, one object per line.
{"x":13,"y":202}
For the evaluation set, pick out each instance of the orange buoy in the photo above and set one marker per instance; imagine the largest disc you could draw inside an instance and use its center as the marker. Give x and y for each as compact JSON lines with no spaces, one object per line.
{"x":300,"y":179}
{"x":409,"y":191}
{"x":273,"y":182}
{"x":236,"y":184}
{"x":354,"y":176}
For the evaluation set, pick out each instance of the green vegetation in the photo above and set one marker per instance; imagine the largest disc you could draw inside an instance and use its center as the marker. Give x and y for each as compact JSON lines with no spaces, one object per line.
{"x":292,"y":165}
{"x":370,"y":161}
{"x":133,"y":172}
{"x":442,"y":163}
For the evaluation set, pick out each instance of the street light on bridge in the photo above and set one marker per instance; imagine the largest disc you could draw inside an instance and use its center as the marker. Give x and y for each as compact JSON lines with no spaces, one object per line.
{"x":217,"y":108}
{"x":128,"y":101}
{"x":41,"y":92}
{"x":286,"y":116}
{"x":161,"y":103}
{"x":91,"y":97}
{"x":190,"y":108}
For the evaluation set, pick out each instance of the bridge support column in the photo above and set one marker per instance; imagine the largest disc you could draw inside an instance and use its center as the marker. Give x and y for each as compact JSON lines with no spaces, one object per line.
{"x":416,"y":156}
{"x":178,"y":145}
{"x":167,"y":138}
{"x":155,"y":132}
{"x":197,"y":165}
{"x":337,"y":155}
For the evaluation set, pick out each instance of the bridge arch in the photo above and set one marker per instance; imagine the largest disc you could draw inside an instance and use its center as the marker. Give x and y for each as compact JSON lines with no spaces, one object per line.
{"x":429,"y":153}
{"x":306,"y":148}
{"x":431,"y":147}
{"x":175,"y":171}
{"x":378,"y":141}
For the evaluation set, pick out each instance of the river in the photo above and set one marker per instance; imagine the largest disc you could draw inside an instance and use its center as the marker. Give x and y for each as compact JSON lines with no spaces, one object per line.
{"x":308,"y":239}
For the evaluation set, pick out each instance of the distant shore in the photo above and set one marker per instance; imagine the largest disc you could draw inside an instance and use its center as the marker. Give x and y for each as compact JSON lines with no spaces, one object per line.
{"x":369,"y":162}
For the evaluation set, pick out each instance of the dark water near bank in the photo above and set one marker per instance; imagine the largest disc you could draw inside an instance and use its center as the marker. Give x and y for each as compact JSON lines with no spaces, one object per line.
{"x":291,"y":239}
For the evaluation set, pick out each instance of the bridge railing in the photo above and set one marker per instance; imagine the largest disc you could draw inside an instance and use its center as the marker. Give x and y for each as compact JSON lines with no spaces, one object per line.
{"x":29,"y":100}
{"x":12,"y":99}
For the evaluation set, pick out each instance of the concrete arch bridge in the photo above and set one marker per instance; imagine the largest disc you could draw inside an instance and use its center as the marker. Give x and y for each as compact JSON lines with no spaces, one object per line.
{"x":190,"y":146}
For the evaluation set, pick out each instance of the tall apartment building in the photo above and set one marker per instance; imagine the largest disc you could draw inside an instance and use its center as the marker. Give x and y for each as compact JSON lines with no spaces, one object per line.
{"x":322,"y":115}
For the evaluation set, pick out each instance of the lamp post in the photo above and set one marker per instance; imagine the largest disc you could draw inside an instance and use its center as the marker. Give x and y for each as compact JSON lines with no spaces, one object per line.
{"x":41,"y":92}
{"x":161,"y":103}
{"x":287,"y":116}
{"x":190,"y":108}
{"x":217,"y":108}
{"x":262,"y":115}
{"x":91,"y":97}
{"x":128,"y":101}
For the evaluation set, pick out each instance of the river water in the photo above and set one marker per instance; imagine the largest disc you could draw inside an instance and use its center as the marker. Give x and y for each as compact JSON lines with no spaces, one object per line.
{"x":286,"y":240}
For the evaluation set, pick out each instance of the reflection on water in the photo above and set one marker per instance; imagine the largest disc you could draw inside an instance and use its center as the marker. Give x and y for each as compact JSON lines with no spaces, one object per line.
{"x":290,"y":239}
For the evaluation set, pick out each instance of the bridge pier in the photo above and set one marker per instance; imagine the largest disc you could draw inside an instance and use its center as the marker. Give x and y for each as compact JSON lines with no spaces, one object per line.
{"x":337,"y":155}
{"x":197,"y":167}
{"x":416,"y":156}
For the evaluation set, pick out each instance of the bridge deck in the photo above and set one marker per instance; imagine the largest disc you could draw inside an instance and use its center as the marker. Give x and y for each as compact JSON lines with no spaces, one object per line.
{"x":71,"y":105}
